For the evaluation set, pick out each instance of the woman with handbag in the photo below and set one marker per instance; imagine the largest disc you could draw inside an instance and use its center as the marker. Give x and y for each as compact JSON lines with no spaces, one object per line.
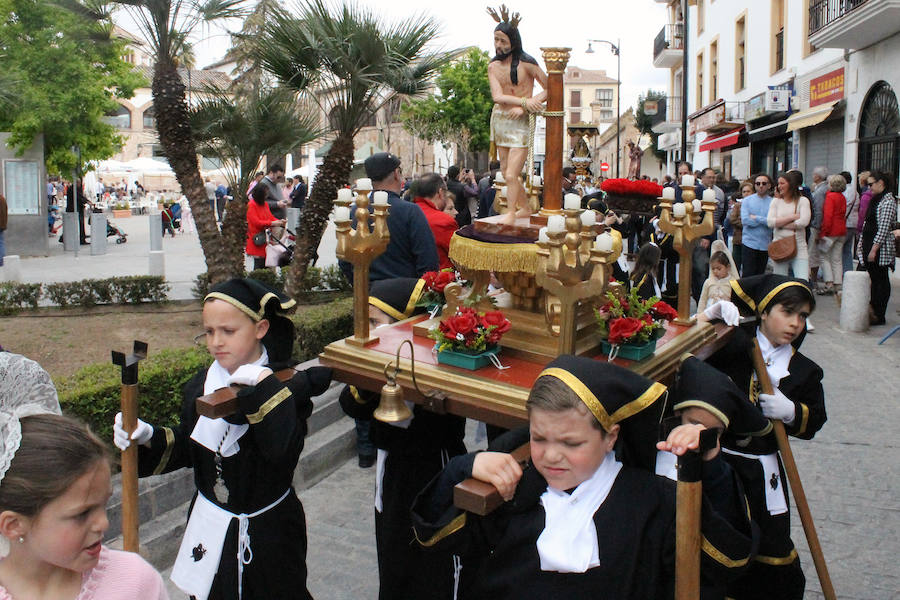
{"x":259,"y":218}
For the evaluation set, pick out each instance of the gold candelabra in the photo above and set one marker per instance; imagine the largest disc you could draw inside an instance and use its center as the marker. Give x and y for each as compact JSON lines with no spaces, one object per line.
{"x":359,"y":247}
{"x":686,"y":227}
{"x":573,"y":269}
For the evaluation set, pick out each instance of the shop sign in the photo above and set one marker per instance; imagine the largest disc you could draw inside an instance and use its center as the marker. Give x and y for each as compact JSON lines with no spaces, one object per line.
{"x":710,"y":119}
{"x":651,"y":107}
{"x":827,"y":88}
{"x":778,"y":100}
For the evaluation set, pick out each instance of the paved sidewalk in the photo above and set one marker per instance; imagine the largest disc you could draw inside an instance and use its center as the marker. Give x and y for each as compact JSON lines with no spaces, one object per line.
{"x":183,"y":261}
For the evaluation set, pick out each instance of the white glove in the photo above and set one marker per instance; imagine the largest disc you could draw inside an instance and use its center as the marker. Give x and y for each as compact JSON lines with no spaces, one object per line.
{"x":141,"y":434}
{"x":777,"y":406}
{"x":248,"y":375}
{"x":725,"y":311}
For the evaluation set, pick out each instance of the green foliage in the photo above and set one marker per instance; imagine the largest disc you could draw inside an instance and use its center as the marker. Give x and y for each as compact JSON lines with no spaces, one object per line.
{"x":15,"y":296}
{"x":462,"y":108}
{"x":66,"y":73}
{"x":644,"y":121}
{"x":93,"y":394}
{"x":321,"y":325}
{"x":87,"y":292}
{"x":318,"y":281}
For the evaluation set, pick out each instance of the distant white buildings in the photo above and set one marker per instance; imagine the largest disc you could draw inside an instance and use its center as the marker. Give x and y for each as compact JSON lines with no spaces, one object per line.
{"x":783,"y":84}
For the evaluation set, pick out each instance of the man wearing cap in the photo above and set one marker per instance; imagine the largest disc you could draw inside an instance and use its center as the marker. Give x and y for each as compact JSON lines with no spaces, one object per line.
{"x":412,"y":251}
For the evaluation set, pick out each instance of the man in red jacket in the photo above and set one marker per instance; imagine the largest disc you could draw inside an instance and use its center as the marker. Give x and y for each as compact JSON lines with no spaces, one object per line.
{"x":431,"y":196}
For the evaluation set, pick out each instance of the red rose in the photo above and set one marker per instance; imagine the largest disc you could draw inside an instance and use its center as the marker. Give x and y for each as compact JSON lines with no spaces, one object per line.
{"x":623,"y":328}
{"x":441,"y":280}
{"x":496,"y":319}
{"x":661,"y":310}
{"x":446,"y":327}
{"x":463,"y":323}
{"x":429,"y":278}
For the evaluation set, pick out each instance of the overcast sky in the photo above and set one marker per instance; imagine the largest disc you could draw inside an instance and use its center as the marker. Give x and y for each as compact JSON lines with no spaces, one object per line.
{"x":546,"y":23}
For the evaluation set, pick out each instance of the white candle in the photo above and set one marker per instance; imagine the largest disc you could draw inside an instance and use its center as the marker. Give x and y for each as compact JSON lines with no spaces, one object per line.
{"x":556,"y":223}
{"x":709,"y":195}
{"x":687,"y":180}
{"x":668,"y":193}
{"x":341,"y":213}
{"x":572,"y":202}
{"x":678,"y":209}
{"x":381,"y":198}
{"x":604,"y":242}
{"x":542,"y":235}
{"x":697,"y":205}
{"x":345,"y":195}
{"x":364,"y":184}
{"x":503,"y":191}
{"x":588,"y":218}
{"x":499,"y":177}
{"x":536,"y":180}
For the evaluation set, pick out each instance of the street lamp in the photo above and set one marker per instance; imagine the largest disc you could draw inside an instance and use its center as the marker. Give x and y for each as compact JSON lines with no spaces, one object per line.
{"x":615,"y":50}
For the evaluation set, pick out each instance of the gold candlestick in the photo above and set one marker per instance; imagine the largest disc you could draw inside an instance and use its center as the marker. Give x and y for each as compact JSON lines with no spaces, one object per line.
{"x":571,"y":276}
{"x":685,"y":233}
{"x":360,"y":247}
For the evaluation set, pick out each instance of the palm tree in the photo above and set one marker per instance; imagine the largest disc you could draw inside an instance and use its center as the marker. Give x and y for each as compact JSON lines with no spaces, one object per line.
{"x":353,"y":63}
{"x":166,"y":26}
{"x":238,"y":130}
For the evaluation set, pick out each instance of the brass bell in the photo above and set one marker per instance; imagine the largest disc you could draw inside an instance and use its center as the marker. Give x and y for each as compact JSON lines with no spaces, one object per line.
{"x":391,"y":407}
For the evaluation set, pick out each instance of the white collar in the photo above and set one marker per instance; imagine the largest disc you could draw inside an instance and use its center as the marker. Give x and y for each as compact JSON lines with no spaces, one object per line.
{"x":569,"y":542}
{"x":777,"y":358}
{"x":218,"y":435}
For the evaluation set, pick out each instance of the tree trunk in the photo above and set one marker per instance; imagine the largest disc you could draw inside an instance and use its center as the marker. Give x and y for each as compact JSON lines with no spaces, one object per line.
{"x":331,"y":176}
{"x":175,"y":135}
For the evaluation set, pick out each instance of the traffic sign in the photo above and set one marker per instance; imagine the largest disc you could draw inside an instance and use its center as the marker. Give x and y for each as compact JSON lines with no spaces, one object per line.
{"x":604,"y":166}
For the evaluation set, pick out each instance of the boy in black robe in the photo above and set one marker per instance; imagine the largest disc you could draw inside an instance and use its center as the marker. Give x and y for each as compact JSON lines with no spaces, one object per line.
{"x":410,"y":454}
{"x":586,"y":517}
{"x":243,"y":463}
{"x":782,"y":305}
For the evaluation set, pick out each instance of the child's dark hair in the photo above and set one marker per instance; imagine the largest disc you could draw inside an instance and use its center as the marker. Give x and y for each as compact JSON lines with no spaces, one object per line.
{"x":792,"y":298}
{"x":55,"y":451}
{"x":721,"y":258}
{"x":647,"y":261}
{"x":552,"y":395}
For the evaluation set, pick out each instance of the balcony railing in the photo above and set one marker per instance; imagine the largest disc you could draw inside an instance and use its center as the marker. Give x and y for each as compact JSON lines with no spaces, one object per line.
{"x":668,"y":110}
{"x":826,"y":12}
{"x":670,"y":37}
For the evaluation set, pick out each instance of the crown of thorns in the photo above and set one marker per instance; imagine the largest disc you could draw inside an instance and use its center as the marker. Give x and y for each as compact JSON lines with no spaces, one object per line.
{"x":504,"y":16}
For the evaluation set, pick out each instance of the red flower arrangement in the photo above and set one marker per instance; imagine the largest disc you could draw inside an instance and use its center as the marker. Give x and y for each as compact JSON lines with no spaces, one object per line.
{"x":435,"y":282}
{"x":632,"y":320}
{"x":628,"y":187}
{"x":470,"y":331}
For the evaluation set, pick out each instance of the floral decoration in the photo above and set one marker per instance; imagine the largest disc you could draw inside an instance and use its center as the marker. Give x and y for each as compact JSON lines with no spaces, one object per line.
{"x":629,"y":187}
{"x":435,"y":282}
{"x":470,"y":331}
{"x":631,"y":320}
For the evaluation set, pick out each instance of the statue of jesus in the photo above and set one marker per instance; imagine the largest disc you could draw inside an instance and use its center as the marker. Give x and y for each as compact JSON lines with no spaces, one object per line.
{"x":512,"y":74}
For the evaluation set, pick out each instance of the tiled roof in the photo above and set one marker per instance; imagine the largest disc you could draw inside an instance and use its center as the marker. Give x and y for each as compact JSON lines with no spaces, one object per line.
{"x":199,"y":79}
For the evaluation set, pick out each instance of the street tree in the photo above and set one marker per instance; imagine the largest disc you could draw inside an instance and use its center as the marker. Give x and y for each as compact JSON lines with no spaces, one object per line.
{"x":352,"y":63}
{"x":239,"y":130}
{"x":59,"y":77}
{"x":644,"y":122}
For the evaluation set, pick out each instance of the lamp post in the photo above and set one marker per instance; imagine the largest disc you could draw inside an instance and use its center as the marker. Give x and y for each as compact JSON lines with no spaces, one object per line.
{"x":615,"y":50}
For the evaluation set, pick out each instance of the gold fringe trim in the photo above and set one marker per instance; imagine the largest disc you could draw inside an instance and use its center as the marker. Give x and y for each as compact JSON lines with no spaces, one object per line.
{"x":486,"y":256}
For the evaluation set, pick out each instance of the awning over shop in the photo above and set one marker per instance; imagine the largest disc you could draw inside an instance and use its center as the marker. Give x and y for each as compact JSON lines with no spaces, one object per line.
{"x":729,"y":138}
{"x":768,"y":132}
{"x":813,"y":116}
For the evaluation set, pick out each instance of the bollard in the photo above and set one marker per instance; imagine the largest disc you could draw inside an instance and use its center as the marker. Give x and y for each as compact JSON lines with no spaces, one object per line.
{"x":71,"y":235}
{"x":98,"y":234}
{"x":293,"y":218}
{"x":155,"y":231}
{"x":855,"y":295}
{"x":157,"y":263}
{"x":12,"y":268}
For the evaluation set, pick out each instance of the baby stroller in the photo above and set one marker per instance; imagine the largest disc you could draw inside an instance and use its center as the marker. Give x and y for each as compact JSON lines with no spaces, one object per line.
{"x":113,"y":230}
{"x":280,"y":253}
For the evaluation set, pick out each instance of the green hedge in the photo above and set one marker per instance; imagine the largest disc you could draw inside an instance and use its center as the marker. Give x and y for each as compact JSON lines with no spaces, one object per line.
{"x":93,"y":393}
{"x":87,"y":292}
{"x":319,"y":283}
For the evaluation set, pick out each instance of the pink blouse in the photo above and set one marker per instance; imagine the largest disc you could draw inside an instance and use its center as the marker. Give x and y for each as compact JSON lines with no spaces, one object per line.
{"x":117,"y":576}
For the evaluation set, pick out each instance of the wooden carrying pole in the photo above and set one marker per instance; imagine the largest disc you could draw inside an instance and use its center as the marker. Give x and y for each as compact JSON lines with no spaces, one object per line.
{"x":223,"y":402}
{"x":790,"y":467}
{"x":129,"y":400}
